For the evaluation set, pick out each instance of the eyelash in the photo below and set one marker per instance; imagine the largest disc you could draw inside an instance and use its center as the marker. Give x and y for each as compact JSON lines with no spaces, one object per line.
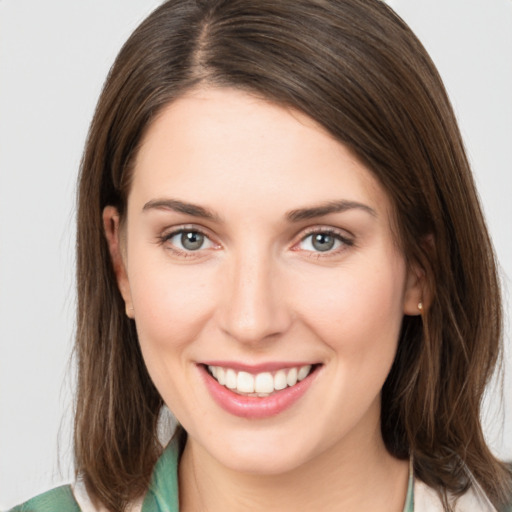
{"x":339,"y":236}
{"x":345,"y":240}
{"x":165,"y":238}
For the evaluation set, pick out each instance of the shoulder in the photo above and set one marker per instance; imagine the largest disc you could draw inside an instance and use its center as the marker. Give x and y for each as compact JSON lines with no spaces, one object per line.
{"x":474,"y":499}
{"x":162,"y":494}
{"x":86,"y":505}
{"x":60,"y":499}
{"x":67,"y":498}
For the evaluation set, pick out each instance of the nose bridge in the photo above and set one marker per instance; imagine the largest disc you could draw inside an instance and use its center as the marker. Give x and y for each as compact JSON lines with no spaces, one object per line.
{"x":254,"y":305}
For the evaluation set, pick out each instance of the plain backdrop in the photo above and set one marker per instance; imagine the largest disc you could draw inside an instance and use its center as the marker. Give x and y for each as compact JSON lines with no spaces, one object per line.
{"x":54,"y":56}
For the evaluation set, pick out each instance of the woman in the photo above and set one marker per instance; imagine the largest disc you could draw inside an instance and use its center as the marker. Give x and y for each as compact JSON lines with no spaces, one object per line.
{"x":279,"y":238}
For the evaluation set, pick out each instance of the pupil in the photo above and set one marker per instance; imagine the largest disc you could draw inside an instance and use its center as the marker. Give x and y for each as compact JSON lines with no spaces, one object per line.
{"x":323,"y":242}
{"x":191,"y":240}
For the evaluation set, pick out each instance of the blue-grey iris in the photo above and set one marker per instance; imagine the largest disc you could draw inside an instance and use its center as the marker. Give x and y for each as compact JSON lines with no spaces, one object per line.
{"x":323,"y":242}
{"x":192,"y":240}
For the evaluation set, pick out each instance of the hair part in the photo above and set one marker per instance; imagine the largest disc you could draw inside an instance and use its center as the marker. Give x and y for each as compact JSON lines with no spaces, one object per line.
{"x":357,"y":69}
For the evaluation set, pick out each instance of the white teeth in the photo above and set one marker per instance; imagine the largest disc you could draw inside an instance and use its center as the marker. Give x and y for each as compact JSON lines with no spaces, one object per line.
{"x":280,"y":380}
{"x":220,"y":375}
{"x":262,"y":384}
{"x":245,"y":382}
{"x":231,"y":379}
{"x":291,"y":378}
{"x":303,"y":372}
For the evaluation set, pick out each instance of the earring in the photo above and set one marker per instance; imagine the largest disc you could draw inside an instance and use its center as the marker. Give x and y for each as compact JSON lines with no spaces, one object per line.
{"x":420,"y":306}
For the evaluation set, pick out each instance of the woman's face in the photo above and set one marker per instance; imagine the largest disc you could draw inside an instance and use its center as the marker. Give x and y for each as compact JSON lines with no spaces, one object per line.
{"x":258,"y":252}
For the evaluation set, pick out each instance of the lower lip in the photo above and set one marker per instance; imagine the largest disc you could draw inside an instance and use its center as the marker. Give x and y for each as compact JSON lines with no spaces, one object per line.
{"x":252,"y":407}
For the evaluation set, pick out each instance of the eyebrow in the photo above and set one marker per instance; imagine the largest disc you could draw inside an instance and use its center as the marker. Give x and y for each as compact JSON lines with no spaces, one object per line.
{"x":193,"y":210}
{"x":297,"y":215}
{"x":326,"y":209}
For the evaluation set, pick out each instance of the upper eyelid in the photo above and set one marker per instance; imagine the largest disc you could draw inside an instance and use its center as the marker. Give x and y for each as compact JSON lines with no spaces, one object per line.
{"x":168,"y":233}
{"x":165,"y":237}
{"x":346,"y":238}
{"x":343,"y":233}
{"x":172,"y":231}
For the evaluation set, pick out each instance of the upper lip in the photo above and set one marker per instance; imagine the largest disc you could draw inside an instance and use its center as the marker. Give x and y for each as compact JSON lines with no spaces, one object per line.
{"x":258,"y":368}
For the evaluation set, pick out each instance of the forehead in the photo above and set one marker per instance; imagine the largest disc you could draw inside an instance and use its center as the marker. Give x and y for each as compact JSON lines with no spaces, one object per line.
{"x":211,"y":143}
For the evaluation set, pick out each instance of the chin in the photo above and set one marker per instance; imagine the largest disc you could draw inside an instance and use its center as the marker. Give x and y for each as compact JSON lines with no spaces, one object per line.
{"x":264,"y":462}
{"x":262,"y":452}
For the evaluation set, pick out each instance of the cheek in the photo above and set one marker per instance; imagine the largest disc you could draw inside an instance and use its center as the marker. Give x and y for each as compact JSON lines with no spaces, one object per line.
{"x":171,"y":303}
{"x":358,"y":308}
{"x":357,"y":313}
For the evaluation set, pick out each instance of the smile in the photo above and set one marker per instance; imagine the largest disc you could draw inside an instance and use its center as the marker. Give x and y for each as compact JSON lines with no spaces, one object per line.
{"x":258,"y":392}
{"x":261,"y":384}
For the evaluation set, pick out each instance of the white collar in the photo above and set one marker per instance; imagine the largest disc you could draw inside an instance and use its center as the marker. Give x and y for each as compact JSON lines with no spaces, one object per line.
{"x":474,"y":499}
{"x":426,"y":499}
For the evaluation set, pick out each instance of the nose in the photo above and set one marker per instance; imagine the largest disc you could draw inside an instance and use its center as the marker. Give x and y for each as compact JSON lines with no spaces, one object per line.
{"x":254,"y":306}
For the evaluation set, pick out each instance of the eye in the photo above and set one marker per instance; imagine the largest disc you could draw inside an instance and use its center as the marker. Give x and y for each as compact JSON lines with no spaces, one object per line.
{"x":188,"y":240}
{"x":324,"y":241}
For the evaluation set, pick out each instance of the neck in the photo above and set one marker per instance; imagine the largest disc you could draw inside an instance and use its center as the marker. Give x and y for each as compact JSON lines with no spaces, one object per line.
{"x":358,"y":474}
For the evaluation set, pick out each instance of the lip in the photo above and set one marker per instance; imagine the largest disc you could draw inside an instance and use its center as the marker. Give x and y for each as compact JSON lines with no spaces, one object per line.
{"x":255,"y":407}
{"x":256,"y":368}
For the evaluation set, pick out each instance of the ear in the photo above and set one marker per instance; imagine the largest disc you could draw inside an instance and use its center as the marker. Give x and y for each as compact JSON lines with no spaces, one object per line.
{"x":416,"y":296}
{"x":111,"y":221}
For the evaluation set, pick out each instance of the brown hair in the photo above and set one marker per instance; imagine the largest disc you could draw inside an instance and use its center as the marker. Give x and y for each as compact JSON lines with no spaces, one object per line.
{"x":358,"y":70}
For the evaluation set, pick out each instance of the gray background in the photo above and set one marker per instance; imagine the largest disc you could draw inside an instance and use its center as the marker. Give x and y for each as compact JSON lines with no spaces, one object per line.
{"x":54,"y":56}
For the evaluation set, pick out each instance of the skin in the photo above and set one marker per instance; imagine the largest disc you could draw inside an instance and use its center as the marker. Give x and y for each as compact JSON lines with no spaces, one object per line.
{"x":259,"y":291}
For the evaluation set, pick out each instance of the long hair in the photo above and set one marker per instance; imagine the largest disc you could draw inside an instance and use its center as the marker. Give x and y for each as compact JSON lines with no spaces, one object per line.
{"x":357,"y":69}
